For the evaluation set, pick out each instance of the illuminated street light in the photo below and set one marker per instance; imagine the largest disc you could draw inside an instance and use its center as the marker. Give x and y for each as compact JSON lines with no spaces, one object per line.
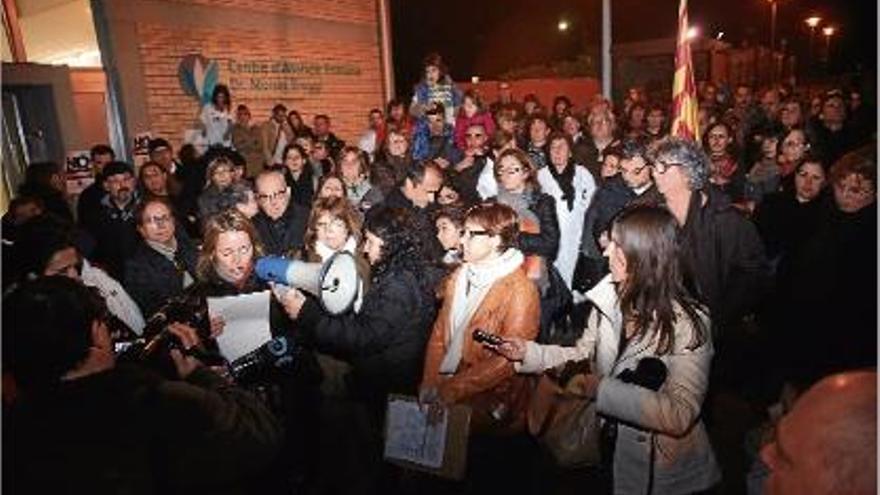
{"x":828,"y":32}
{"x":563,"y":25}
{"x":693,"y":32}
{"x":812,"y":22}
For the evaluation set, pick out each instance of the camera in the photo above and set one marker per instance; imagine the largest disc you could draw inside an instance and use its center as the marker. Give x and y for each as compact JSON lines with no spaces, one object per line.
{"x":154,"y":347}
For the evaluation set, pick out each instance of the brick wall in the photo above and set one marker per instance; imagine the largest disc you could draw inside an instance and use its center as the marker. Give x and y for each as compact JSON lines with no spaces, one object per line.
{"x":345,"y":96}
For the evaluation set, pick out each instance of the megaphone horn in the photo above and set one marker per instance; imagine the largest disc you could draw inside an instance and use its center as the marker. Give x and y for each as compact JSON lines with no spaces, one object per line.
{"x":335,"y":282}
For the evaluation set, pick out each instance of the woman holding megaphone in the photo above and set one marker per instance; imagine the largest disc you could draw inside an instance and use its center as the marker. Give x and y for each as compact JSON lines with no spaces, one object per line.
{"x":383,"y":343}
{"x":334,"y":227}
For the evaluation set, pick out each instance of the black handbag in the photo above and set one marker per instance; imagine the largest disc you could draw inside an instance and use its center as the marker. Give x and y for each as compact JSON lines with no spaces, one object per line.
{"x":588,"y":271}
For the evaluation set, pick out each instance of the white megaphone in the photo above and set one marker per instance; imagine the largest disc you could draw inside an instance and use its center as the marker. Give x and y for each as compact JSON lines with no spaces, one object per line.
{"x":335,"y":282}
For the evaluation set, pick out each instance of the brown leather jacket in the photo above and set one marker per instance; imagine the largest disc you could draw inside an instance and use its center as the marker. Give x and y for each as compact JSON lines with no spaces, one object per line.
{"x":486,"y":380}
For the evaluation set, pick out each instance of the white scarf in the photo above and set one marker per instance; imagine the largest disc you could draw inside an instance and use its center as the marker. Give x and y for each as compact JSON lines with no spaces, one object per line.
{"x":472,"y":284}
{"x":325,"y":252}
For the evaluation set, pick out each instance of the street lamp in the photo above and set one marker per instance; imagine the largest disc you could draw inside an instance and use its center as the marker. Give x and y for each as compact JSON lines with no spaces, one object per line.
{"x":812,"y":22}
{"x":692,"y":32}
{"x":772,"y":25}
{"x":563,"y":25}
{"x":828,"y":32}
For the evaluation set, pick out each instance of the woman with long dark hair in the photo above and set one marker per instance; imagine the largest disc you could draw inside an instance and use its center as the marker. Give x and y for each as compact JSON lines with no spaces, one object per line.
{"x":299,"y":175}
{"x":216,"y":118}
{"x":643,"y":314}
{"x":725,"y":170}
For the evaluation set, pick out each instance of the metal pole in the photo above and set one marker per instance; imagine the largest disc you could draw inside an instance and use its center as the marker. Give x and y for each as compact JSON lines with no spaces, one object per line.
{"x":772,"y":25}
{"x":606,"y":48}
{"x":385,"y":41}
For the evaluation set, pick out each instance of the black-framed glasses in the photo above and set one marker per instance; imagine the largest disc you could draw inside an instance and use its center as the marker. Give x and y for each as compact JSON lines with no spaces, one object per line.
{"x":467,"y":233}
{"x":510,"y":171}
{"x":159,"y":220}
{"x":272,"y":196}
{"x":662,"y":167}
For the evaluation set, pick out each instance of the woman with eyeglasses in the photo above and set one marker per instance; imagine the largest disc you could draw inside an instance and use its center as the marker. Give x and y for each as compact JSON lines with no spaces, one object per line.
{"x":218,"y":180}
{"x":164,"y":262}
{"x":832,"y":288}
{"x":489,"y":292}
{"x":793,"y":147}
{"x":539,"y":227}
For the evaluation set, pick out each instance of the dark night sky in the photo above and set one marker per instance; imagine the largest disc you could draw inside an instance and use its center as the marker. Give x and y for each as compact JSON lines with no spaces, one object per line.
{"x":485,"y":38}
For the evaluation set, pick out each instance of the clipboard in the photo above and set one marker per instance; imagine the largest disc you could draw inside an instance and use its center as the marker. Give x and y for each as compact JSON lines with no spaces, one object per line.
{"x":458,"y":418}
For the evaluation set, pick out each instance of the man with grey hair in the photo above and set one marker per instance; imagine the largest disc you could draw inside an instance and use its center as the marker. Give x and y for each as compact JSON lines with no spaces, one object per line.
{"x":828,"y":442}
{"x":721,"y":247}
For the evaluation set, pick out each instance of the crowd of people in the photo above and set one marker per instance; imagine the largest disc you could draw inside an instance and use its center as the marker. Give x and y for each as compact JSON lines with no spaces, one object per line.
{"x":744,"y":264}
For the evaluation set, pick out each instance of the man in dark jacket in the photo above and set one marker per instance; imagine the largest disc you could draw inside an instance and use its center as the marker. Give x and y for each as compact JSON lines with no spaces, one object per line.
{"x":85,"y":425}
{"x":721,"y":246}
{"x":281,"y":223}
{"x":613,"y":196}
{"x":114,"y":229}
{"x":88,"y":205}
{"x":417,"y":193}
{"x":323,"y":135}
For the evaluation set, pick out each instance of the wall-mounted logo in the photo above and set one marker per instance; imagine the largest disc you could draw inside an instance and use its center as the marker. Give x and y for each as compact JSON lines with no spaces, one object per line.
{"x":198,"y":77}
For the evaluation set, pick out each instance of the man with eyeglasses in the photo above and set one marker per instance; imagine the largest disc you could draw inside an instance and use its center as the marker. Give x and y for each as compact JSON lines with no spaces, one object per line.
{"x":281,"y":223}
{"x":614,"y":195}
{"x":720,"y":245}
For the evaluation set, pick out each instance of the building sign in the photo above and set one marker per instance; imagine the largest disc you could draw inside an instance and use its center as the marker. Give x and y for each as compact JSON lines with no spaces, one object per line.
{"x":199,"y":75}
{"x":284,"y":75}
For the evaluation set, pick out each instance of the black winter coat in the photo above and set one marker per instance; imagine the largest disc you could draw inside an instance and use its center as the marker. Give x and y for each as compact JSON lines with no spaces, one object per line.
{"x":431,"y":247}
{"x":546,"y":243}
{"x":611,"y":197}
{"x":284,"y":236}
{"x":151,"y":278}
{"x":116,"y":237}
{"x":385,"y":341}
{"x":724,"y":253}
{"x":127,"y":430}
{"x":831,"y":293}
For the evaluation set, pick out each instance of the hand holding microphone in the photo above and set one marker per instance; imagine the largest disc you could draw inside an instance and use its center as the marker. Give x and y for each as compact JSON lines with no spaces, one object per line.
{"x":513,"y":348}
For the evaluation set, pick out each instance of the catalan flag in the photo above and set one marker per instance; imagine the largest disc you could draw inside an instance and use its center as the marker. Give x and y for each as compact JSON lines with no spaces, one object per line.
{"x":684,"y":93}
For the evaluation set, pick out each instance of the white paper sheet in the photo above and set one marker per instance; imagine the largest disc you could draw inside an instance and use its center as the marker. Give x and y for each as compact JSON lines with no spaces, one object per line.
{"x":247,"y":322}
{"x":409,"y":436}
